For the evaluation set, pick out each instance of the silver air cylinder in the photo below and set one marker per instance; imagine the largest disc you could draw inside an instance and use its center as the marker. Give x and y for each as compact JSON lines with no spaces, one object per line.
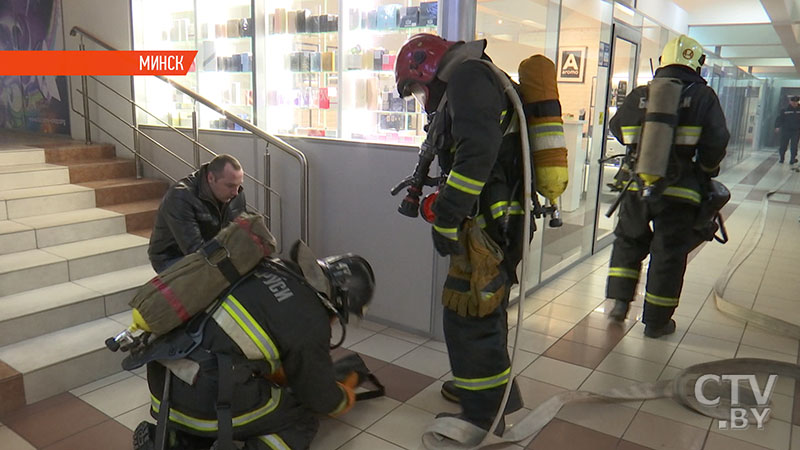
{"x":658,"y":130}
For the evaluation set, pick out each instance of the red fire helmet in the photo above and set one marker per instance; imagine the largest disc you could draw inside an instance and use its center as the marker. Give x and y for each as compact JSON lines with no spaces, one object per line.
{"x":418,"y":60}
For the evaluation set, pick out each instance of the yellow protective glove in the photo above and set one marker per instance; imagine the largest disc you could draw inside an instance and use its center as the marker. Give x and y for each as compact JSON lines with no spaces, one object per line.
{"x":551,"y":181}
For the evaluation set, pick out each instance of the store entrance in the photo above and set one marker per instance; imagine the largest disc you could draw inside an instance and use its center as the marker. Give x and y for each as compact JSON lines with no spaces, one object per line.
{"x":624,"y":65}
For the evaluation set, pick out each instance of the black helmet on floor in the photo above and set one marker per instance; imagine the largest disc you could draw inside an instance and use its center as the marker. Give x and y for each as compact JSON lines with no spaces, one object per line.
{"x":352,"y":283}
{"x":345,"y":281}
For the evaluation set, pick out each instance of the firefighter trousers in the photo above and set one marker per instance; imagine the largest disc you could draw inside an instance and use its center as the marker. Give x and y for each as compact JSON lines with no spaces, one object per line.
{"x":668,"y":243}
{"x":478,"y":351}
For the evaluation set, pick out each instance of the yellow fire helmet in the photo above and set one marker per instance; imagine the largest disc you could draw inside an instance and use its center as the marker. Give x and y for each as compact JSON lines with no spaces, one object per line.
{"x":685,"y":51}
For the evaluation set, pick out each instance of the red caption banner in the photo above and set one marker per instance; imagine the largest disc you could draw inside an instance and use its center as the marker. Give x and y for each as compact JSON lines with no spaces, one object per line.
{"x":156,"y":62}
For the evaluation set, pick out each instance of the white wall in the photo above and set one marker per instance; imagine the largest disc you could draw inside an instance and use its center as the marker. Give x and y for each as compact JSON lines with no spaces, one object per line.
{"x":666,"y":13}
{"x":110,"y":21}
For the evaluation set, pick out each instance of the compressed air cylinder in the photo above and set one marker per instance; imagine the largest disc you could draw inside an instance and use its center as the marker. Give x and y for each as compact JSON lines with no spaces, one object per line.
{"x":537,"y":79}
{"x":658,"y":130}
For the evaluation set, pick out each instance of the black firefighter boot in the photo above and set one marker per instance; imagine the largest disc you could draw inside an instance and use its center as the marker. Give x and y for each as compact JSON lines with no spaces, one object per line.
{"x":620,"y":310}
{"x":656,"y":332}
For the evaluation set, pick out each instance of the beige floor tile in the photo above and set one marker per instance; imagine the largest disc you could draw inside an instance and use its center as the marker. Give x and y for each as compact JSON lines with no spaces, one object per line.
{"x":747,"y":351}
{"x":535,"y":392}
{"x":716,"y":441}
{"x":366,"y":441}
{"x":599,"y":382}
{"x":683,"y":358}
{"x":669,"y":408}
{"x":544,"y":293}
{"x":649,"y":349}
{"x":430,"y":399}
{"x":564,"y":312}
{"x":332,"y":434}
{"x":383,"y":347}
{"x":556,"y":372}
{"x":524,"y":358}
{"x":535,"y":342}
{"x":717,"y":330}
{"x":774,"y":435}
{"x":367,"y":412}
{"x":781,"y":407}
{"x":436,"y":345}
{"x":426,"y":361}
{"x":120,"y":397}
{"x":600,"y":416}
{"x":709,"y":345}
{"x":659,"y":432}
{"x":403,"y":426}
{"x":795,"y":444}
{"x":12,"y":441}
{"x":547,"y":325}
{"x":410,"y":337}
{"x":85,"y":389}
{"x":578,"y":300}
{"x":630,"y":367}
{"x":132,"y":419}
{"x":370,"y":325}
{"x":757,"y":338}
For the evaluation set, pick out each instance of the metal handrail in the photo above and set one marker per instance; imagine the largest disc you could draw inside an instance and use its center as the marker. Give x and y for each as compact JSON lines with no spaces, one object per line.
{"x":270,"y":139}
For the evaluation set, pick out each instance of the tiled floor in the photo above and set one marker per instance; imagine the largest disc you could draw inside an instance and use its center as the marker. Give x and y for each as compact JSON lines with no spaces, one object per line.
{"x":566,"y":343}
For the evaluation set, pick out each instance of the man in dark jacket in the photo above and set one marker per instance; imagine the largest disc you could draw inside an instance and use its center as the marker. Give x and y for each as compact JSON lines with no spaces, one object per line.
{"x":468,"y":116}
{"x":672,"y":203}
{"x":787,"y":125}
{"x":195,"y":209}
{"x":263,"y":371}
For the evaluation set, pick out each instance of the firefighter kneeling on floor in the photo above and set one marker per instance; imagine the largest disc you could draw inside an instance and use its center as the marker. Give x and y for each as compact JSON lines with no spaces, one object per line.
{"x":265,"y":369}
{"x":675,"y":130}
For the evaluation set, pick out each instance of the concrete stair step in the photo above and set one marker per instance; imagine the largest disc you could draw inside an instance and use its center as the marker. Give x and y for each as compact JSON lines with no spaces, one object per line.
{"x":32,"y":175}
{"x":75,"y":151}
{"x":31,"y":269}
{"x":126,"y":190}
{"x":65,"y":359}
{"x":16,"y":237}
{"x":35,"y":201}
{"x":12,"y":155}
{"x":139,"y":216}
{"x":72,"y":226}
{"x":100,"y":255}
{"x":29,"y":314}
{"x":100,"y":169}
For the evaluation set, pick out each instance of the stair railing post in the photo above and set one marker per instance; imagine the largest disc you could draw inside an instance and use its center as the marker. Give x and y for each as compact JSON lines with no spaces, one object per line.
{"x":267,"y":200}
{"x":84,"y":87}
{"x":196,"y":135}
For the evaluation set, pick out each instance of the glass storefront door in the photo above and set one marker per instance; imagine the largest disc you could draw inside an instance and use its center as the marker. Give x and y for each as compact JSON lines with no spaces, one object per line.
{"x":624,"y":65}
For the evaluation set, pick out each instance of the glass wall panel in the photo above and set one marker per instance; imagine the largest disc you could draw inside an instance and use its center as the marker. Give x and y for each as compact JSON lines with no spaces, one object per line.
{"x":583,"y":42}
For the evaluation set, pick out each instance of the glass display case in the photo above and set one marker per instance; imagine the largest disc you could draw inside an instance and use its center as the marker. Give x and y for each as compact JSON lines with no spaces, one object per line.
{"x":223,"y":70}
{"x":373,"y":32}
{"x":302,"y":61}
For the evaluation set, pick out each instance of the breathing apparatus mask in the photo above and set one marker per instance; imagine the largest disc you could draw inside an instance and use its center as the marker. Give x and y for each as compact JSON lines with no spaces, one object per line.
{"x":344,"y":283}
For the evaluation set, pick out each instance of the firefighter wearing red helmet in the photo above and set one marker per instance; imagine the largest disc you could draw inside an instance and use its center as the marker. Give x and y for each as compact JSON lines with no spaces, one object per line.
{"x":477,"y":211}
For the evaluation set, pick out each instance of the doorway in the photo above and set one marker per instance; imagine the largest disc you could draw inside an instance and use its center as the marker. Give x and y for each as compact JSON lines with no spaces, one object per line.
{"x":623,"y":75}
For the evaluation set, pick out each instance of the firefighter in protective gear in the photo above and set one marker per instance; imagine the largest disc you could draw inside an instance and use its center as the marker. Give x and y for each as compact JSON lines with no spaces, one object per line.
{"x":661,"y":223}
{"x":478,"y":213}
{"x":265,"y":348}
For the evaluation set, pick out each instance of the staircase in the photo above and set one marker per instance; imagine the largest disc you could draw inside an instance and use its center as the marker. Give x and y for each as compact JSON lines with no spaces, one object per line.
{"x":74,"y":228}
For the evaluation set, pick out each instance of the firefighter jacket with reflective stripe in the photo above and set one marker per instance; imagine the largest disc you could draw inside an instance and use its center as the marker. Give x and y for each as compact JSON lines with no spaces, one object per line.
{"x":788,"y":118}
{"x":481,"y":161}
{"x":701,"y":134}
{"x":271,"y":321}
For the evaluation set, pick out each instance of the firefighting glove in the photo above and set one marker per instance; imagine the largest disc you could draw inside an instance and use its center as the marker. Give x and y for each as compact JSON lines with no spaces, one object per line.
{"x":445,"y":240}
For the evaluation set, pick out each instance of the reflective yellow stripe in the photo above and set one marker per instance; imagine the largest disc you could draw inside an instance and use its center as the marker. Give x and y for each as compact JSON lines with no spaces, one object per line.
{"x":498,"y":209}
{"x":516,"y":209}
{"x":274,"y":442}
{"x":630,"y":135}
{"x":683,"y":193}
{"x":464,"y":184}
{"x":623,"y":272}
{"x":249,"y":325}
{"x":547,"y":135}
{"x":686,"y":135}
{"x":212,"y":425}
{"x":479,"y":384}
{"x":659,"y":300}
{"x":449,"y":233}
